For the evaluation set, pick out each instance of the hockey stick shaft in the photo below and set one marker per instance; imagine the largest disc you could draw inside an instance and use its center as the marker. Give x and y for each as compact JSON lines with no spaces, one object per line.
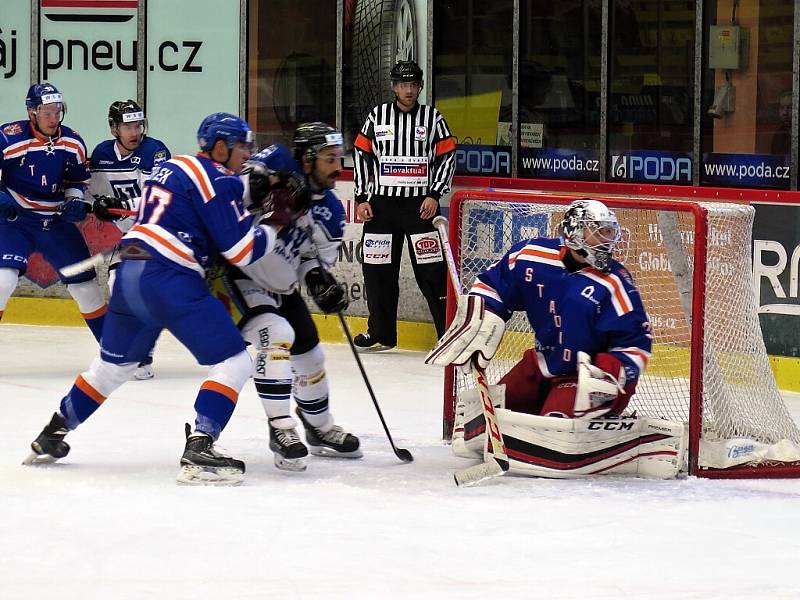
{"x":400,"y":453}
{"x":84,"y":265}
{"x":500,"y":458}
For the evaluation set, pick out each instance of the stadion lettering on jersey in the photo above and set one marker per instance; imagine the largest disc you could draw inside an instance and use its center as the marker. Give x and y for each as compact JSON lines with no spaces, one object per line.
{"x":776,"y":275}
{"x":559,"y":164}
{"x":746,"y":170}
{"x":480,"y":159}
{"x":651,"y":166}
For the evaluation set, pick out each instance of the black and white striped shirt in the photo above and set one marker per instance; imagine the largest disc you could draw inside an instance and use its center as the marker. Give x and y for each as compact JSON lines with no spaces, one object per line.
{"x":404,"y":154}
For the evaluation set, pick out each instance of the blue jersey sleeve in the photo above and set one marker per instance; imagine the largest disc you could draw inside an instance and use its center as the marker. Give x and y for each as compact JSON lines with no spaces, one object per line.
{"x":498,"y":285}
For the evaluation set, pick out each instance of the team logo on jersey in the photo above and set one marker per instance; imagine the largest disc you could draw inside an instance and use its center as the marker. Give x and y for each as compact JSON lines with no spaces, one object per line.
{"x":420,"y":133}
{"x":13,"y":129}
{"x":159,"y":156}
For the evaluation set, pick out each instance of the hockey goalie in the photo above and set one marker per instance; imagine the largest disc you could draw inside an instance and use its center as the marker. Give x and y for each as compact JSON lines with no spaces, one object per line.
{"x":561,"y":409}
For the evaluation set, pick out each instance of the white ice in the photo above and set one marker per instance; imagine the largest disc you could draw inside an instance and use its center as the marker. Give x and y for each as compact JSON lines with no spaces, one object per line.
{"x":111,"y":523}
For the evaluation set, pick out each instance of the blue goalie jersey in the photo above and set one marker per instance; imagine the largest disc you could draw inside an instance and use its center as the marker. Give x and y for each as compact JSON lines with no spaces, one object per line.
{"x":583,"y":310}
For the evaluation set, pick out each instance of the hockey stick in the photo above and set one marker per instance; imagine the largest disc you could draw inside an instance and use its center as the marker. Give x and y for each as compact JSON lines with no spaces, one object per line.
{"x":400,"y":453}
{"x":498,"y":464}
{"x":87,"y":264}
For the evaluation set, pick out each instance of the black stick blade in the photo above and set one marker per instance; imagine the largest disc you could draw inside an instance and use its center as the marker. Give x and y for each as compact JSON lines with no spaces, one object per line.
{"x":403,"y":455}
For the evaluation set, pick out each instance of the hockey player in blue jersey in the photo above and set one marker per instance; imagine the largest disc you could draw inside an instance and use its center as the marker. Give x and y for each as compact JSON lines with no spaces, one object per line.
{"x":120,"y":167}
{"x":193,"y":210}
{"x":583,"y":307}
{"x":266,"y":302}
{"x":43,"y":175}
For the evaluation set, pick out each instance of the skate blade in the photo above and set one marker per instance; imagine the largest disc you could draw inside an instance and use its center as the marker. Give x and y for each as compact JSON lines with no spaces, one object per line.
{"x":374,"y":348}
{"x":331,"y":453}
{"x":198,"y":475}
{"x":290,"y":464}
{"x":34,"y":459}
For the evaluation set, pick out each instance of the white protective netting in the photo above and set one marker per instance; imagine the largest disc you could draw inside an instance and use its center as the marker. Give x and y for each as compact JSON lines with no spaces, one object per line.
{"x":740,"y":397}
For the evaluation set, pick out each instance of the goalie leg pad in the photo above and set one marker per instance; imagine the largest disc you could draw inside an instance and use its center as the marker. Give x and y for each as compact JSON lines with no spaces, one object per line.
{"x":569,"y":448}
{"x":469,"y":437}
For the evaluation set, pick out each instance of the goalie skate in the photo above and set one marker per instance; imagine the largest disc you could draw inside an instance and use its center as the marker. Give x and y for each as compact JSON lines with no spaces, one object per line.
{"x":335,"y":442}
{"x":49,"y":446}
{"x":202,"y":464}
{"x":284,"y":442}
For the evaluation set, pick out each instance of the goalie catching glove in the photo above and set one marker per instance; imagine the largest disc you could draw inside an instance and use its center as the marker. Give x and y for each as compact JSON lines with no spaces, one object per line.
{"x":474,"y":332}
{"x":601,"y":387}
{"x":102,"y":204}
{"x":329,"y":295}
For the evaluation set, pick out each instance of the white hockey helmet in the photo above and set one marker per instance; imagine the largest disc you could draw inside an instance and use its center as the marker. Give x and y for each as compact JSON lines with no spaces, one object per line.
{"x":592,"y":230}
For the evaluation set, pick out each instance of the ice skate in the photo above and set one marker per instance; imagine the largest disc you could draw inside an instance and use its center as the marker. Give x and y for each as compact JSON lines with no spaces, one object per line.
{"x":330,"y":440}
{"x":364,"y":342}
{"x":50,"y":445}
{"x":284,"y":441}
{"x":202,"y":464}
{"x":144,"y":372}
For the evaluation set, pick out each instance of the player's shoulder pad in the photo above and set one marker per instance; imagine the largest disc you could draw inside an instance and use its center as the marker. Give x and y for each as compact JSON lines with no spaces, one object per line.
{"x":69,"y":132}
{"x":15,"y":130}
{"x":152,"y":152}
{"x":208,"y":177}
{"x":328,"y":211}
{"x":103,"y":155}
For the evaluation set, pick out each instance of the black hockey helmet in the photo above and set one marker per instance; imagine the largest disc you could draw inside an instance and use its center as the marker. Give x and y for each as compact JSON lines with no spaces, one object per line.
{"x":406,"y":70}
{"x":310,"y":138}
{"x":124,"y":111}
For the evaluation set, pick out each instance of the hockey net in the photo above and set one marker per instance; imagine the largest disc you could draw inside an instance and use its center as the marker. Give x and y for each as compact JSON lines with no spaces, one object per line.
{"x":691,"y":262}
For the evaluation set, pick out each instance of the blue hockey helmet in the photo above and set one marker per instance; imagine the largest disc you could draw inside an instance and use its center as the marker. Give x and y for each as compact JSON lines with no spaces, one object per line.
{"x":223,"y":126}
{"x":43,"y":93}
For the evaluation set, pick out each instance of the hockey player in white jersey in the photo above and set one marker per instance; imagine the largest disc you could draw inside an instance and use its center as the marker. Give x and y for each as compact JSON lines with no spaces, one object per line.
{"x":266,"y":303}
{"x":120,"y":167}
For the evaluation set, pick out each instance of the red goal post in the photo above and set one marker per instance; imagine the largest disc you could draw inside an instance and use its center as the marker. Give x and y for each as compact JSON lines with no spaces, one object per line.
{"x":692,"y":263}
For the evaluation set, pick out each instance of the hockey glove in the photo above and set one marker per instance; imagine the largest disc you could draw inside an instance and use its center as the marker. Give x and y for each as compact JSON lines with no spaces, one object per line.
{"x":289,"y":193}
{"x":601,"y":387}
{"x":8,"y":207}
{"x":103,"y":203}
{"x":74,"y":211}
{"x":329,"y":295}
{"x":474,"y":332}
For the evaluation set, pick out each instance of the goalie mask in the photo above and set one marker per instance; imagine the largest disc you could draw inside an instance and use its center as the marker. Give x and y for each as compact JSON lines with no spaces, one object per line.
{"x":591,"y":229}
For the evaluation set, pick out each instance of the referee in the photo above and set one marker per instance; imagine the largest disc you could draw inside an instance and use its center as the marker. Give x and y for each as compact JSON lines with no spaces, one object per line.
{"x":404,"y":163}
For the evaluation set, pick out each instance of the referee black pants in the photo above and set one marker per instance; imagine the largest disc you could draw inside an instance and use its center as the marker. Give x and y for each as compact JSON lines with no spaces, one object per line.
{"x":400,"y":218}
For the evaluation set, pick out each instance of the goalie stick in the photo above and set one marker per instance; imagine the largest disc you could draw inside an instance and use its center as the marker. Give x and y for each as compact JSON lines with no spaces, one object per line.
{"x":498,"y":463}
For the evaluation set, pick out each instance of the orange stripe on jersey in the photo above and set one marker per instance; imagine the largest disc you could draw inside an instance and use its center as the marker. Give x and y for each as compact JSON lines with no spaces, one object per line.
{"x":619,"y":292}
{"x":77,"y":148}
{"x":200,"y":176}
{"x":534,"y":253}
{"x":362,"y":143}
{"x":642,"y":355}
{"x":444,"y":146}
{"x":214,"y":386}
{"x":164,"y":242}
{"x":87,"y":389}
{"x":479,"y":285}
{"x":97,"y":313}
{"x":243,"y":253}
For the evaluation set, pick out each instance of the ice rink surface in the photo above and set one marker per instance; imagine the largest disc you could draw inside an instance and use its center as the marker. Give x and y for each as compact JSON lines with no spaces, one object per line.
{"x":111,"y":523}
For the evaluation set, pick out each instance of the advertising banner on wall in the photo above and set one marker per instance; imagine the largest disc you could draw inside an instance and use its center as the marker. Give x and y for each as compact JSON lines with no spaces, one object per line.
{"x":15,"y":61}
{"x":88,"y":51}
{"x":776,"y":263}
{"x":651,"y":166}
{"x":551,"y":163}
{"x":746,"y":170}
{"x":479,"y":159}
{"x":192,"y":67}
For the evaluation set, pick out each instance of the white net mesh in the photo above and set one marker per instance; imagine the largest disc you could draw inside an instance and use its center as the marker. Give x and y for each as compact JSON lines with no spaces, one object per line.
{"x":739,"y":394}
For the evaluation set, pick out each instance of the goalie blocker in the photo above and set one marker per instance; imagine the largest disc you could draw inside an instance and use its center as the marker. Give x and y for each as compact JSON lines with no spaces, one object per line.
{"x":566,"y":448}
